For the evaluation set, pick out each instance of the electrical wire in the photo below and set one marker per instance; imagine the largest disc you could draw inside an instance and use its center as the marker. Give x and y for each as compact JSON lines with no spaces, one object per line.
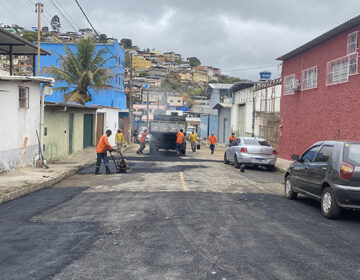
{"x":11,"y":15}
{"x":252,"y":68}
{"x":72,"y":26}
{"x":68,"y":14}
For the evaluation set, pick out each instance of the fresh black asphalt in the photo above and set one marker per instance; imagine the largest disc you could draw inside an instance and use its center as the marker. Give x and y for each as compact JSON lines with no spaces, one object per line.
{"x":71,"y":233}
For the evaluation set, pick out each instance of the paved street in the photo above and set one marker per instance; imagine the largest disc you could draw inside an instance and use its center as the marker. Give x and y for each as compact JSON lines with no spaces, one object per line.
{"x":171,"y":218}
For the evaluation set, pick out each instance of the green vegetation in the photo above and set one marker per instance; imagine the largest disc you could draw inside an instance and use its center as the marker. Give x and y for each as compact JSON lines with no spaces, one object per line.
{"x":193,"y":61}
{"x":170,"y":82}
{"x":143,"y":74}
{"x":82,"y":71}
{"x":31,"y":36}
{"x":224,"y":79}
{"x":127,"y":43}
{"x":103,"y":38}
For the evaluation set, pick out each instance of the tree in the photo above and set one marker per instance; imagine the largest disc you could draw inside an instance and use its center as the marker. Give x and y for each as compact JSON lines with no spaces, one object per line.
{"x":143,"y":74}
{"x":31,"y":36}
{"x":55,"y":23}
{"x":102,"y":38}
{"x":127,"y":43}
{"x":83,"y":72}
{"x":193,"y":61}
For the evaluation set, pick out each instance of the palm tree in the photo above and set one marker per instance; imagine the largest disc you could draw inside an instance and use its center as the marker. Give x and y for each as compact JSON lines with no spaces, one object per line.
{"x":82,"y":71}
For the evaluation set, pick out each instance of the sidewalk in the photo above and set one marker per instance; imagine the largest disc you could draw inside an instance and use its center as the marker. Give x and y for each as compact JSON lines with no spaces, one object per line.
{"x":20,"y":182}
{"x":282,"y":164}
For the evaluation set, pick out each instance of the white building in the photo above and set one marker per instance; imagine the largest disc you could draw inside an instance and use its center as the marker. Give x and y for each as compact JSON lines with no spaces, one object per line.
{"x":19,"y":120}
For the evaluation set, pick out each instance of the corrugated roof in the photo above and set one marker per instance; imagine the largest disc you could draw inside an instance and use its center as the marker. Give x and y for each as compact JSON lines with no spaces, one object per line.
{"x":220,"y":86}
{"x":326,"y":36}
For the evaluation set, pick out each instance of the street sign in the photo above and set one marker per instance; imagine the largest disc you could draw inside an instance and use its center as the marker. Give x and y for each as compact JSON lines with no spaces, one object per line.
{"x":146,"y":86}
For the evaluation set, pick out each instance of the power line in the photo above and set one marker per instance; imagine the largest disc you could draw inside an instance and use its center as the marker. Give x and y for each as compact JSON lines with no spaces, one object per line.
{"x":72,"y":26}
{"x":68,"y":14}
{"x":252,"y":68}
{"x":14,"y":18}
{"x":33,"y":4}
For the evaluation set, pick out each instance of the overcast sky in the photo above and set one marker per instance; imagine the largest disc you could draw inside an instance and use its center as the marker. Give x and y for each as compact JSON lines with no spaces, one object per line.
{"x":233,"y":35}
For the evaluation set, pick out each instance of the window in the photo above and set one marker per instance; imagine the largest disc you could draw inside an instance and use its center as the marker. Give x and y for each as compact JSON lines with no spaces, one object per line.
{"x":337,"y":71}
{"x":324,"y":154}
{"x":353,"y":63}
{"x":310,"y":154}
{"x":309,"y":78}
{"x":235,"y":142}
{"x":289,"y":84}
{"x":23,"y":97}
{"x":352,"y":154}
{"x":352,"y":42}
{"x":256,"y":142}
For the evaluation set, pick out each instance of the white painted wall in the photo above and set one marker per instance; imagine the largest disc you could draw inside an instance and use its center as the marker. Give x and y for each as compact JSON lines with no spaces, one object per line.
{"x":18,"y":124}
{"x":111,"y":121}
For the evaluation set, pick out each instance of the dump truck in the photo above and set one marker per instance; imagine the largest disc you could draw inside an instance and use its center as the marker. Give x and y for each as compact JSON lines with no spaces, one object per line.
{"x":163,"y":130}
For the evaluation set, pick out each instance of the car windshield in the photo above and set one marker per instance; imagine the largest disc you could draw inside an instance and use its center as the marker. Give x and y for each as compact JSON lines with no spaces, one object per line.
{"x":352,"y":153}
{"x":256,"y":142}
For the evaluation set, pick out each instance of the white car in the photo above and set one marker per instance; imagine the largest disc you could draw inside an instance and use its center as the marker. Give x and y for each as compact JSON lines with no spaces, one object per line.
{"x":250,"y":151}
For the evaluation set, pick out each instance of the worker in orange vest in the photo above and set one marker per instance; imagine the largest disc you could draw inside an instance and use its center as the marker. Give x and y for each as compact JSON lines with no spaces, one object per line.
{"x":179,"y":141}
{"x":232,"y":138}
{"x":101,"y":151}
{"x":212,"y":141}
{"x":142,"y":141}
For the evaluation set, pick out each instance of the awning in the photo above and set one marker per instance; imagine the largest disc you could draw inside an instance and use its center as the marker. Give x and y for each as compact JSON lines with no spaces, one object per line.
{"x":223,"y":106}
{"x":11,"y":43}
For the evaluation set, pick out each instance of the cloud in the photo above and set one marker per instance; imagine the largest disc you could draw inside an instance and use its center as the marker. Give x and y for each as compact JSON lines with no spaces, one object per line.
{"x":229,"y":34}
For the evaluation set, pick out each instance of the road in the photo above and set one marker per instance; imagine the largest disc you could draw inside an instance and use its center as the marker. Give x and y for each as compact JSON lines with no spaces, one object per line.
{"x":174,"y":218}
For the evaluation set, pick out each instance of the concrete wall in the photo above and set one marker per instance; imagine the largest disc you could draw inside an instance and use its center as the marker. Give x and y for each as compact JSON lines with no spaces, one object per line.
{"x":324,"y":112}
{"x":18,"y":126}
{"x":111,"y":121}
{"x":57,"y":126}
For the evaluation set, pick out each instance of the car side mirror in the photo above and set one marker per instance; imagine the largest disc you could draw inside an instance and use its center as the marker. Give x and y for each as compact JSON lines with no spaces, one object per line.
{"x":295,"y":157}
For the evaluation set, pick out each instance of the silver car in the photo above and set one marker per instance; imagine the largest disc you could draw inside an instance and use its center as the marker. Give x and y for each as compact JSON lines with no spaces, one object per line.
{"x":245,"y":151}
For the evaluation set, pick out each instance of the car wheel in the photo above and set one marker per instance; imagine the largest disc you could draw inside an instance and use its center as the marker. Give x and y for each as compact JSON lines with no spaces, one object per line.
{"x":225,"y":160}
{"x":236,"y":163}
{"x":289,"y":191}
{"x":270,"y":167}
{"x":329,"y":207}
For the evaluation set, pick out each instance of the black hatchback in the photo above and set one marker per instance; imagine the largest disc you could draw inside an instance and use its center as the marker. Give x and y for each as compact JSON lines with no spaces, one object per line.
{"x":329,"y":171}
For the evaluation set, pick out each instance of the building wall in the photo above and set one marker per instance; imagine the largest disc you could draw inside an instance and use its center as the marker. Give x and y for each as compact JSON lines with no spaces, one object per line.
{"x":140,"y":63}
{"x":174,"y":101}
{"x":200,"y":77}
{"x":57,"y":126}
{"x":114,"y":97}
{"x":18,"y":126}
{"x":111,"y":121}
{"x":326,"y":112}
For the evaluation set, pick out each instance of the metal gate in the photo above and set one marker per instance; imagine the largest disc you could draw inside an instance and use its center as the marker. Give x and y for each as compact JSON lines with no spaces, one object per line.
{"x":242,"y":120}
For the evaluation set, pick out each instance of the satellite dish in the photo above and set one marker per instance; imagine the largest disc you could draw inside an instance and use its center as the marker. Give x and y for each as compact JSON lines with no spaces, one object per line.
{"x":48,"y":91}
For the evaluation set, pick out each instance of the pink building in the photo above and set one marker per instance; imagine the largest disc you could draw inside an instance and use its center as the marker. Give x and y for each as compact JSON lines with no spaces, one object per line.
{"x":154,"y":109}
{"x":321,"y":90}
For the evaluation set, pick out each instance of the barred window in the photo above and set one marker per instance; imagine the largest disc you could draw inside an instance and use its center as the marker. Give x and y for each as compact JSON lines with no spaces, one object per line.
{"x":352,"y":42}
{"x":309,"y":78}
{"x":337,"y":71}
{"x":23,"y":97}
{"x":289,"y":84}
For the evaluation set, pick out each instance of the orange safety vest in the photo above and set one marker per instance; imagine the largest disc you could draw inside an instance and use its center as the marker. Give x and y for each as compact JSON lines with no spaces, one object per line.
{"x":103,"y":146}
{"x":143,"y":137}
{"x":180,"y":138}
{"x":231,"y":138}
{"x":212,"y":139}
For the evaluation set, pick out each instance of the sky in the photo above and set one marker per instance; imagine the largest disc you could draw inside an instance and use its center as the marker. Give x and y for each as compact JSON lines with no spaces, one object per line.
{"x":240,"y":37}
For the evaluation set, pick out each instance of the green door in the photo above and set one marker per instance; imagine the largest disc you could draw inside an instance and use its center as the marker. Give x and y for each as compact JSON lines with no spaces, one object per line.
{"x":71,"y":130}
{"x":88,"y":130}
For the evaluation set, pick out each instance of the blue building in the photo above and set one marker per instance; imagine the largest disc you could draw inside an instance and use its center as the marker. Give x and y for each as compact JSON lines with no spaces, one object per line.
{"x":115,"y":97}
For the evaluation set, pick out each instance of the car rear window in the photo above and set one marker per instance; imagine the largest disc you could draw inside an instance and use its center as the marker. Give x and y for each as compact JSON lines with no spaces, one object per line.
{"x":352,"y":154}
{"x":256,"y":142}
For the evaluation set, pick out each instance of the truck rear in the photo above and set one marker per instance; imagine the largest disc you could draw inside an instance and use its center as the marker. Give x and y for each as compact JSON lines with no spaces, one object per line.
{"x":163,"y":130}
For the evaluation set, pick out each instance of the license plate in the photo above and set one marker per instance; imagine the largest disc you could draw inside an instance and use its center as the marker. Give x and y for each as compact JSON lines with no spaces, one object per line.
{"x":260,"y":159}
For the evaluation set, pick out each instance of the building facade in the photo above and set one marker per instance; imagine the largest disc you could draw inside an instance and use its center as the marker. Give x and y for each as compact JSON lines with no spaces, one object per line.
{"x":114,"y":97}
{"x":321,"y":85}
{"x":139,"y":63}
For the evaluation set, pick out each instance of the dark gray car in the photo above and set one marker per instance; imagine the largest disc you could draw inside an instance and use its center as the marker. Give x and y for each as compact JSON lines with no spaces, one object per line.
{"x":329,"y":171}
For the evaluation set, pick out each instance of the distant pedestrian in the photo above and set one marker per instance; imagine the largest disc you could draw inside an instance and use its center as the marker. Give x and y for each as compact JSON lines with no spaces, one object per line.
{"x":232,"y":138}
{"x":212,"y":141}
{"x":142,"y":142}
{"x":193,"y":140}
{"x":119,"y":140}
{"x":101,"y":151}
{"x":179,"y":141}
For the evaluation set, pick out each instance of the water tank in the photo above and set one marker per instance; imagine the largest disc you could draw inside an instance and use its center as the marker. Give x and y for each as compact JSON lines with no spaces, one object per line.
{"x":265,"y":75}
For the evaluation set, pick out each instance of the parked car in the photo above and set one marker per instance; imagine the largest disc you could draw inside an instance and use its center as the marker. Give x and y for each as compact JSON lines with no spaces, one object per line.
{"x":250,"y":151}
{"x":329,"y":172}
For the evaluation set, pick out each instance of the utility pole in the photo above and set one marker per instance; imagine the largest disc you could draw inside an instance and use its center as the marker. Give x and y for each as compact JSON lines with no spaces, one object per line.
{"x":38,"y":10}
{"x":147,"y":108}
{"x":130,"y":101}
